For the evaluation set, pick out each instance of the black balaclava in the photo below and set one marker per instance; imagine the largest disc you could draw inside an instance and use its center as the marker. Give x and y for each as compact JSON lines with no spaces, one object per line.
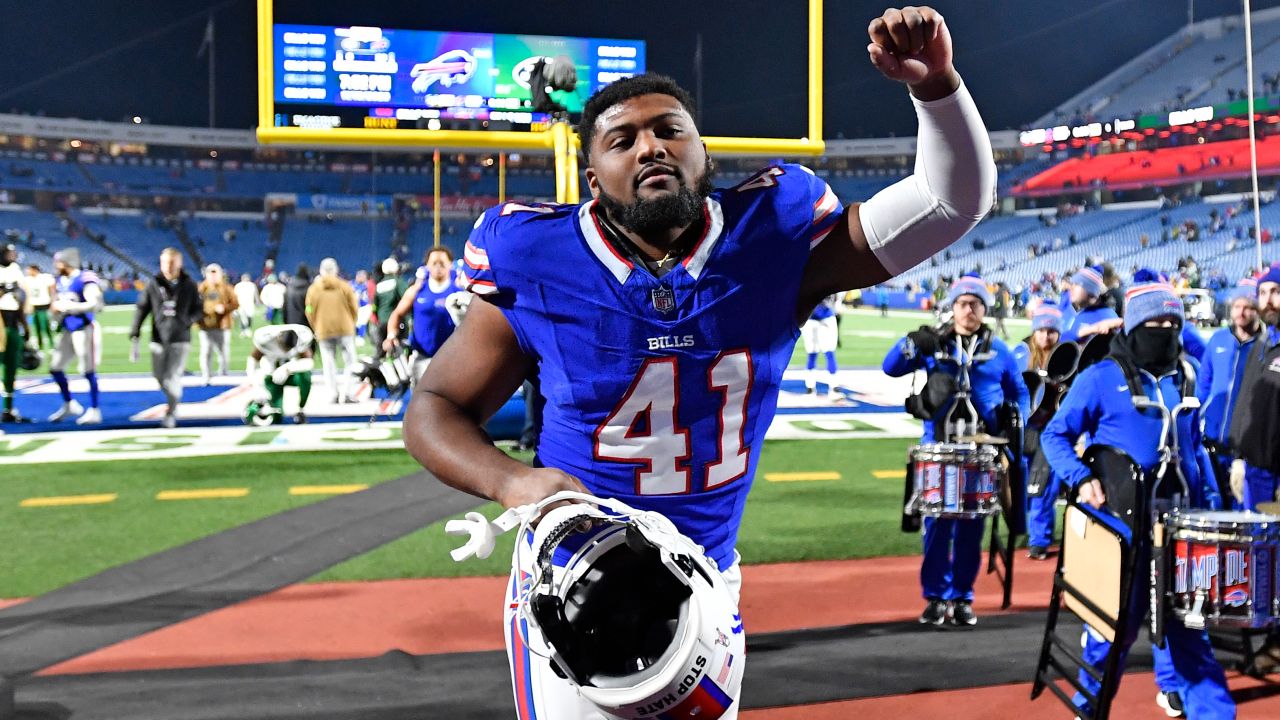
{"x":1154,"y":349}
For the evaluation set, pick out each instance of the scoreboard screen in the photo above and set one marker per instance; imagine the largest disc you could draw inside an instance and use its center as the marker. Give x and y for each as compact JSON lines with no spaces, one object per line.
{"x":369,"y":77}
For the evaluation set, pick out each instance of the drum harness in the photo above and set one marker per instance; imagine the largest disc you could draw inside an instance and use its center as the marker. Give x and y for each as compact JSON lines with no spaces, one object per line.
{"x":961,"y":417}
{"x":1170,"y":461}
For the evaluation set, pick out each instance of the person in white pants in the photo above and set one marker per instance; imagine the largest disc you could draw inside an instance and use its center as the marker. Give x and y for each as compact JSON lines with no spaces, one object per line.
{"x":219,"y":302}
{"x":820,"y":334}
{"x":331,"y":309}
{"x":247,"y":297}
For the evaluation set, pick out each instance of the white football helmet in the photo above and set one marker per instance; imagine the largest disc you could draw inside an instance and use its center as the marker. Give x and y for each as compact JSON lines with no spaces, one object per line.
{"x":631,"y":612}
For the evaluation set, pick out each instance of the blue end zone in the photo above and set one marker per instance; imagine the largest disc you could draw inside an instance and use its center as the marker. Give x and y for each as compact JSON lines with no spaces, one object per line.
{"x":120,"y":403}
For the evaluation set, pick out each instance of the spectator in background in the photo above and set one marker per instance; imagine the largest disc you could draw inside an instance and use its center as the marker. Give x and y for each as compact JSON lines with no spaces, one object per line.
{"x":1255,"y":422}
{"x":295,"y":297}
{"x":247,"y":297}
{"x":331,"y":313}
{"x":1000,"y":309}
{"x":1114,"y":295}
{"x":173,"y":301}
{"x":1087,"y":312}
{"x":387,"y":294}
{"x":220,"y":303}
{"x":272,"y":297}
{"x":1221,"y":374}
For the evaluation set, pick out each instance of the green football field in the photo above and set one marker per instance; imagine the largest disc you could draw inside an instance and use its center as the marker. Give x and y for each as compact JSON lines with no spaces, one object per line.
{"x":865,"y":337}
{"x":854,"y":516}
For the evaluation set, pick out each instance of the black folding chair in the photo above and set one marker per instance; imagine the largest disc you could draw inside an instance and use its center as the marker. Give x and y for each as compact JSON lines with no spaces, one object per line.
{"x":1095,"y":580}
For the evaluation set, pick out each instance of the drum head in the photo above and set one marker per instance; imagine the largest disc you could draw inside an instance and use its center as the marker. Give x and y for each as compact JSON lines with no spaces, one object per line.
{"x":1222,"y":519}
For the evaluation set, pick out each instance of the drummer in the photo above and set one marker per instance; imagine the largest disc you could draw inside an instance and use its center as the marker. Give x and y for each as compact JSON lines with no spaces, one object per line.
{"x":1222,"y":372}
{"x":1145,"y":356}
{"x":1033,"y":354}
{"x":953,"y":547}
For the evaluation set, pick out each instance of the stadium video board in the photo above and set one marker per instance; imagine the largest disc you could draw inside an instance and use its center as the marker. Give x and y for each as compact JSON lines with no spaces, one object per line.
{"x":370,"y":77}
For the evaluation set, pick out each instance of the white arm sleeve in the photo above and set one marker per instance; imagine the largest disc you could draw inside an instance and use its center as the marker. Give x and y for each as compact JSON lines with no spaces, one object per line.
{"x":952,"y":188}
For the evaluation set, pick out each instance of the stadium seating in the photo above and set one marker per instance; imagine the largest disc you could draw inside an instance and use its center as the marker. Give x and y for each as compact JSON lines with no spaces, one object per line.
{"x":1112,"y":235}
{"x":1199,"y":65}
{"x":1147,"y":168}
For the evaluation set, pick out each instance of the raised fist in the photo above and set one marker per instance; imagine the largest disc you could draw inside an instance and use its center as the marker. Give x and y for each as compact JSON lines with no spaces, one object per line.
{"x":911,"y":45}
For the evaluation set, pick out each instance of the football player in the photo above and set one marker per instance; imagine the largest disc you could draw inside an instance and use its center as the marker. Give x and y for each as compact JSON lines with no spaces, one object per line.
{"x":13,"y":328}
{"x":427,"y":300}
{"x":79,"y":336}
{"x":40,"y":292}
{"x":364,"y":308}
{"x":659,"y":315}
{"x":282,"y":353}
{"x":821,"y":334}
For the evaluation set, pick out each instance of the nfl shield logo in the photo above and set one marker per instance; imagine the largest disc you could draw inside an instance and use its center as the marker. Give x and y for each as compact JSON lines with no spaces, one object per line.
{"x":664,"y":301}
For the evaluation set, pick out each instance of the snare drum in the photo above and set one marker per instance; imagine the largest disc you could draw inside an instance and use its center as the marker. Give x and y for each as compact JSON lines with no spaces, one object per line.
{"x":956,"y":480}
{"x":1222,"y":568}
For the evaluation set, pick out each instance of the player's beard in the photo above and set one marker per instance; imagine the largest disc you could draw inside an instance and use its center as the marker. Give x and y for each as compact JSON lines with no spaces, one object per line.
{"x":1270,"y":316}
{"x":671,"y":210}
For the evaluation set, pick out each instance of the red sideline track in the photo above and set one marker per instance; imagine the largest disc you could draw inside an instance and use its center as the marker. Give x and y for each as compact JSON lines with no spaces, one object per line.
{"x":329,"y":621}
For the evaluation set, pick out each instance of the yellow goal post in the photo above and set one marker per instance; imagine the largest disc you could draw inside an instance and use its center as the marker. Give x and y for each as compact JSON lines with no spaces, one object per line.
{"x":560,"y":138}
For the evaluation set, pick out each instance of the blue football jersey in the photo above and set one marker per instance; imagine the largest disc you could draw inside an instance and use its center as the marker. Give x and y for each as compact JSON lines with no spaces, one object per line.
{"x":432,"y":323}
{"x":362,"y":292}
{"x":659,"y":391}
{"x":71,"y":289}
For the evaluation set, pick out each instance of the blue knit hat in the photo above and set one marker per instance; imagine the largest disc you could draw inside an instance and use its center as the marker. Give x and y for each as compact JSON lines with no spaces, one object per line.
{"x":1271,"y":276}
{"x":1090,"y":278}
{"x":970,"y":285}
{"x":1046,"y":317}
{"x":1149,"y":301}
{"x":1142,"y":276}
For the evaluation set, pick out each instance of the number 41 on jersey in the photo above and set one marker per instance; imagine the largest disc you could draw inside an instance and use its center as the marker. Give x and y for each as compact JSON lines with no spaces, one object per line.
{"x":644,"y":428}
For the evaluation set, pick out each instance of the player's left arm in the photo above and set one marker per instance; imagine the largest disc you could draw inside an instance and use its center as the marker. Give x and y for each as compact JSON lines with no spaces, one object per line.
{"x":93,"y":301}
{"x":952,"y":187}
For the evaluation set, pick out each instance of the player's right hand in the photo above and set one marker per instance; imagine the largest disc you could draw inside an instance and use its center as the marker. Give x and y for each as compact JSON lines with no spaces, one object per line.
{"x":910,"y":45}
{"x":537,"y":484}
{"x":1090,"y":493}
